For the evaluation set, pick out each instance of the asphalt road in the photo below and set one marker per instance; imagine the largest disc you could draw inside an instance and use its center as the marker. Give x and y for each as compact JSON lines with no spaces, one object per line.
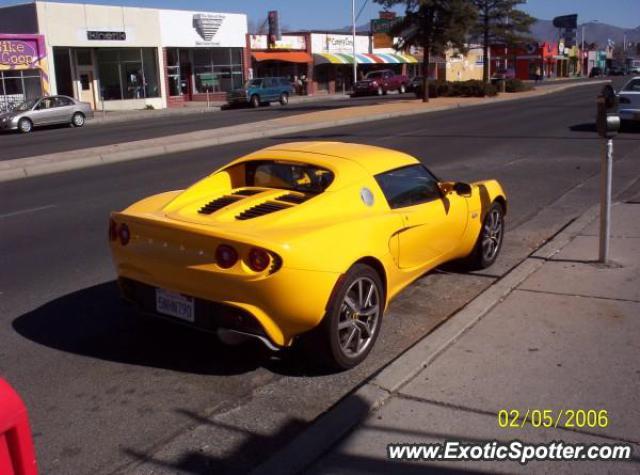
{"x":62,"y":138}
{"x":108,"y":394}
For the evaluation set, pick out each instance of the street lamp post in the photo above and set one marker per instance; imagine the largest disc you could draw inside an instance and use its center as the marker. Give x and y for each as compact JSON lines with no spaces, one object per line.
{"x":353,"y":34}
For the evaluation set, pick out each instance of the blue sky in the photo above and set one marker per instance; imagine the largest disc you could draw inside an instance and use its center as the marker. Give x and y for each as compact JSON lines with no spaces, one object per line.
{"x":326,"y":14}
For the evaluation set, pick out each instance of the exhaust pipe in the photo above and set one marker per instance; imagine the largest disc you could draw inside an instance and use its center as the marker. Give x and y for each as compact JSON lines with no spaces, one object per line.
{"x":236,"y":337}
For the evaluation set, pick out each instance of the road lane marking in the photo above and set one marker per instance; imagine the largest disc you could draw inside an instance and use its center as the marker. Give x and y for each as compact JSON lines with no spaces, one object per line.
{"x":26,"y":211}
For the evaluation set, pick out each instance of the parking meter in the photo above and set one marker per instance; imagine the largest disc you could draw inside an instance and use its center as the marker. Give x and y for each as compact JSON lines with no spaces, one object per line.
{"x":607,"y":118}
{"x":608,"y":124}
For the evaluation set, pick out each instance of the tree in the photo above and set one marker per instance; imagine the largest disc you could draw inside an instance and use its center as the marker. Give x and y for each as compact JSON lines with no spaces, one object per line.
{"x":433,"y":25}
{"x":499,"y":21}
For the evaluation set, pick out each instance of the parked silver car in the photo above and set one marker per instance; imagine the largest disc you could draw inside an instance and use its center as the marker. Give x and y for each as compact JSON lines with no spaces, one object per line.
{"x":629,"y":101}
{"x":46,"y":111}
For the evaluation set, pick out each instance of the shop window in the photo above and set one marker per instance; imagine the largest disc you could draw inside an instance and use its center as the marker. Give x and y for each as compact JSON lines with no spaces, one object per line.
{"x":172,"y":57}
{"x":128,"y":73}
{"x":17,"y":86}
{"x":84,"y":82}
{"x":83,"y":57}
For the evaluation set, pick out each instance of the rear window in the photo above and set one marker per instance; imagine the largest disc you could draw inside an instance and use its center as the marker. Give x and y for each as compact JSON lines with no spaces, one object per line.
{"x":288,"y":176}
{"x":374,"y":74}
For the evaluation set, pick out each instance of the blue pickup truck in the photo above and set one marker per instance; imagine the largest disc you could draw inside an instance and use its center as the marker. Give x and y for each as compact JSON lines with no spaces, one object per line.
{"x":261,"y":91}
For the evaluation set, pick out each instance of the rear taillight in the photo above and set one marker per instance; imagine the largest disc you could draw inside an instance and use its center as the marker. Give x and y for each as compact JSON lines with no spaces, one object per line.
{"x":124,"y":234}
{"x":113,"y":230}
{"x":226,"y":256}
{"x":259,"y":259}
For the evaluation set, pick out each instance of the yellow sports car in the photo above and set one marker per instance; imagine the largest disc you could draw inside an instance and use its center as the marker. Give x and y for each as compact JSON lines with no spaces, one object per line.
{"x":301,"y":241}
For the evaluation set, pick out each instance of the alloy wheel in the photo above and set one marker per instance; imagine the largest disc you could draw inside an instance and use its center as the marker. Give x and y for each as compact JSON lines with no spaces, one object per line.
{"x":492,"y":234}
{"x":359,"y":317}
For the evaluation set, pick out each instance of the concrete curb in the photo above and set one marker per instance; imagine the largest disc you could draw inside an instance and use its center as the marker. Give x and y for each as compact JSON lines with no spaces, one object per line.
{"x":64,"y":161}
{"x":354,"y":408}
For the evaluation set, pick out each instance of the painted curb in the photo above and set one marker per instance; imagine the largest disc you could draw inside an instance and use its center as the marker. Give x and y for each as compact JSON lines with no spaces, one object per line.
{"x":71,"y":160}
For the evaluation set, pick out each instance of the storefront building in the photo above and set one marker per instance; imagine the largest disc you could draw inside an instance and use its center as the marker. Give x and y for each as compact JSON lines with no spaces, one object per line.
{"x":528,"y":61}
{"x":24,"y":70}
{"x":118,"y":57}
{"x":464,"y":66}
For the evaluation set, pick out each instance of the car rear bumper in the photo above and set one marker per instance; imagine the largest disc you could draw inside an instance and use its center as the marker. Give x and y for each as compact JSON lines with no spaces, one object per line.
{"x":278,"y":306}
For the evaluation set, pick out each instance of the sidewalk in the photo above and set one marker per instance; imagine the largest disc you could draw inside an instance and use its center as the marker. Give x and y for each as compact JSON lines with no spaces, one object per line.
{"x":192,"y":108}
{"x":155,"y":147}
{"x":559,"y":332}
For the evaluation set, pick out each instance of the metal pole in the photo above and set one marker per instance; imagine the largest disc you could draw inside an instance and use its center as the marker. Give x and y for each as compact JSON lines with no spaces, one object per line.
{"x":353,"y":34}
{"x":582,"y":54}
{"x":606,"y":166}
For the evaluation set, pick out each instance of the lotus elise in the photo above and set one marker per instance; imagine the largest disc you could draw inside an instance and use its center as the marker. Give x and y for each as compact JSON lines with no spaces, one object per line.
{"x":304,"y":241}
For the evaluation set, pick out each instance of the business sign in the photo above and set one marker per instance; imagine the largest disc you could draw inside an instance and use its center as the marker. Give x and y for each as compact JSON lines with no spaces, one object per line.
{"x":187,"y":29}
{"x":296,"y":42}
{"x":339,"y":43}
{"x":380,"y":28}
{"x":106,"y":35}
{"x":21,"y":52}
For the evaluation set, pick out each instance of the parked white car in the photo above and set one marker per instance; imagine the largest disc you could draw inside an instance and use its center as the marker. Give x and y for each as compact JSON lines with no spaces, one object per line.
{"x":629,"y":100}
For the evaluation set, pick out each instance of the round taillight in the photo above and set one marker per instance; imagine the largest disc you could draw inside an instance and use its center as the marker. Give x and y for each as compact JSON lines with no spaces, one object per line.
{"x":258,"y":259}
{"x":124,"y":234}
{"x":113,"y":230}
{"x":226,"y":256}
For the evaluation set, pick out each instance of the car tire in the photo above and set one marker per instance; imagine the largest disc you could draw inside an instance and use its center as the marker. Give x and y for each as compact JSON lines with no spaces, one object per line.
{"x":489,"y":243}
{"x":403,"y":89}
{"x":255,"y":101}
{"x":352,"y":322}
{"x":284,"y":99}
{"x":25,"y":125}
{"x":78,"y":119}
{"x":380,"y":91}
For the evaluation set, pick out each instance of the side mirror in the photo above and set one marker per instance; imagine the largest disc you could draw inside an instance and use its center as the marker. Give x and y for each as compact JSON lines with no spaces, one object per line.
{"x":463,"y":189}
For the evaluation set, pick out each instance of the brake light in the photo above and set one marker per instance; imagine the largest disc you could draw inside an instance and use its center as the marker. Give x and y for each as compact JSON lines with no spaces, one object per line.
{"x":124,"y":234}
{"x":226,"y":256}
{"x":113,"y":230}
{"x":258,"y":259}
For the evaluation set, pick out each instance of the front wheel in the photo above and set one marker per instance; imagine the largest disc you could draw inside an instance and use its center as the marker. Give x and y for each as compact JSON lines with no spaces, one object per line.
{"x":78,"y":119}
{"x":352,"y":322}
{"x":25,"y":126}
{"x":490,"y":238}
{"x":380,"y":91}
{"x":284,"y":99}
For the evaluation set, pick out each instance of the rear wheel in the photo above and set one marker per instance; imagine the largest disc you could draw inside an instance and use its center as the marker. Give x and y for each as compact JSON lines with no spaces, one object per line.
{"x":403,"y":89}
{"x":284,"y":99}
{"x":352,"y":323}
{"x":78,"y":119}
{"x":490,"y":238}
{"x":255,"y":101}
{"x":25,"y":125}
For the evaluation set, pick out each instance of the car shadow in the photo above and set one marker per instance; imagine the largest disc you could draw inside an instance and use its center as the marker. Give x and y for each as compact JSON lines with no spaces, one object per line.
{"x":95,"y":322}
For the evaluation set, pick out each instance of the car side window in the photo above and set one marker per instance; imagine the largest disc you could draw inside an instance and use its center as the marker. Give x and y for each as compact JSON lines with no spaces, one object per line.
{"x":46,"y":103}
{"x":634,"y":86}
{"x":267,"y":82}
{"x":408,"y":186}
{"x":62,"y":102}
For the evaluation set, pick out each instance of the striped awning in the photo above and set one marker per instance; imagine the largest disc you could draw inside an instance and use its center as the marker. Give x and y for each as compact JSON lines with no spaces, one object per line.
{"x":363,"y":58}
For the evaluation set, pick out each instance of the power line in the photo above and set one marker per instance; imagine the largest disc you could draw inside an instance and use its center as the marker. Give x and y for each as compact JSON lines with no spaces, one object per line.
{"x":361,"y":9}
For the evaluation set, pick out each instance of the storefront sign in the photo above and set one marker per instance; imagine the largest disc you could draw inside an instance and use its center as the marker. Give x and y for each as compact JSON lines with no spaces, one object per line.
{"x":296,"y":42}
{"x":187,"y":29}
{"x":339,"y":43}
{"x":16,"y":53}
{"x":106,"y":35}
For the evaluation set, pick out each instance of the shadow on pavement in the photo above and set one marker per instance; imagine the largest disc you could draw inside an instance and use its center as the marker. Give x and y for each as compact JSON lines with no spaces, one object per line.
{"x":95,"y":322}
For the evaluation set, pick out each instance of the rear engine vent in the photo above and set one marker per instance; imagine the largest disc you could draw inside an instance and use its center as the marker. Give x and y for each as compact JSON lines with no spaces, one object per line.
{"x":247,"y":192}
{"x":293,"y":198}
{"x":217,"y":204}
{"x":261,"y":210}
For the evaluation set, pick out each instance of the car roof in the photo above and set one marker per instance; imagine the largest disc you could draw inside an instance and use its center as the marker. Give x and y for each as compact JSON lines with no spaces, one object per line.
{"x":373,"y":159}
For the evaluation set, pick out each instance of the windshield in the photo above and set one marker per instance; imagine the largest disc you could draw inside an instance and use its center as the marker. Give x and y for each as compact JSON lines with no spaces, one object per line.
{"x":253,"y":83}
{"x":289,"y":176}
{"x":374,"y":75}
{"x":633,"y":86}
{"x":26,"y":105}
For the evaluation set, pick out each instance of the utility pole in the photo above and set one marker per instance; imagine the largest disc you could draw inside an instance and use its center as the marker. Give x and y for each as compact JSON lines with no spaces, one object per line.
{"x":582,"y":68}
{"x":353,"y":34}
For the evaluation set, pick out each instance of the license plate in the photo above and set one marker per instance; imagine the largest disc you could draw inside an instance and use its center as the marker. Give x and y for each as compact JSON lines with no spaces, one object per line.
{"x":175,"y":305}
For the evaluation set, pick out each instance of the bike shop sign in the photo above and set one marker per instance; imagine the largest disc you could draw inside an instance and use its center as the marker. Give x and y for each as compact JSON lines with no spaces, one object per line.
{"x":21,"y":51}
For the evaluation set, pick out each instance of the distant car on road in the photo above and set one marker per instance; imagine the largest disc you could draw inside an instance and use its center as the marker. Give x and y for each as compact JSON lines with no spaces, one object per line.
{"x":380,"y":82}
{"x":415,"y":84}
{"x":629,"y":101}
{"x":301,"y":242}
{"x":503,"y":74}
{"x":259,"y":91}
{"x":46,"y":111}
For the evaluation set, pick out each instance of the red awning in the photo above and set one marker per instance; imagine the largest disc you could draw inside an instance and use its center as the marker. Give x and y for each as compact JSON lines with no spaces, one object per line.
{"x":288,"y":56}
